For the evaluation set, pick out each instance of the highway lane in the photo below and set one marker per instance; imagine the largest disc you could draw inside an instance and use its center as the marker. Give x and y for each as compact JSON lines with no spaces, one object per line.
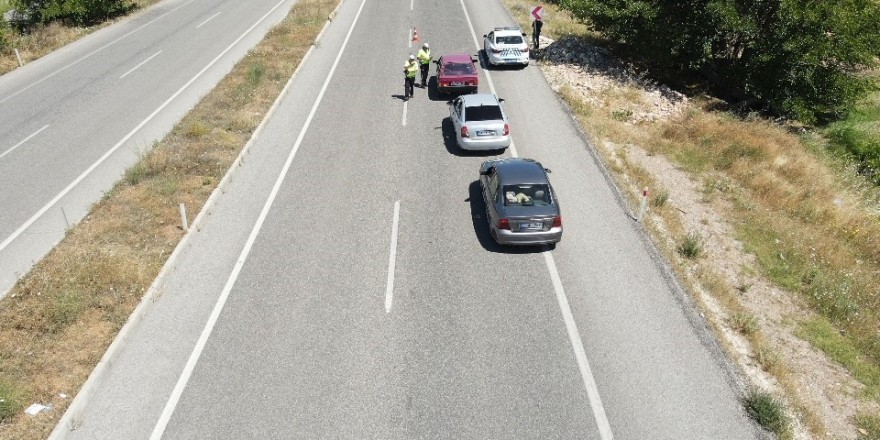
{"x":73,"y":121}
{"x":475,"y":344}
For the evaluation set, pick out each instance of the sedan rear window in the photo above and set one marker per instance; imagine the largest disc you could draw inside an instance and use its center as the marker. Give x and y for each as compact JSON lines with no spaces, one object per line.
{"x":483,"y":113}
{"x":458,"y":69}
{"x":527,"y":195}
{"x":513,"y":39}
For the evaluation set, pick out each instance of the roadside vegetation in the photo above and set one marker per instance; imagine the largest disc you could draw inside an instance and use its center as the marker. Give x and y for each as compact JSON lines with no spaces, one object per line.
{"x":52,"y":25}
{"x":803,"y":200}
{"x":60,"y":318}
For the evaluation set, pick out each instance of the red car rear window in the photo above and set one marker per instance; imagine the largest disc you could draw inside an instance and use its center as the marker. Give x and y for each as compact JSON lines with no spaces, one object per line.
{"x":458,"y":69}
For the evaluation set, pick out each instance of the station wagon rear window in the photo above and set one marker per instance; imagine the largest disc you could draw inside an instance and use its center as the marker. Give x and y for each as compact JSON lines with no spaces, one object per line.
{"x":483,"y":113}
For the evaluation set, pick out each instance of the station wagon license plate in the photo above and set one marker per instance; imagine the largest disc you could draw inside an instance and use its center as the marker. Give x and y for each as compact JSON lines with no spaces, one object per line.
{"x":485,"y":133}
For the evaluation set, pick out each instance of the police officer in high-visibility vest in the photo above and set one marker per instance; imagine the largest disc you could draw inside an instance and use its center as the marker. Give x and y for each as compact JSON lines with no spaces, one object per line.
{"x":424,"y":62}
{"x":410,"y":69}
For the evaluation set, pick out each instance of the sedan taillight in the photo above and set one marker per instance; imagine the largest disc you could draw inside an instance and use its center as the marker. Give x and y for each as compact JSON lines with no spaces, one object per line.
{"x":557,"y":221}
{"x":464,"y":132}
{"x":504,"y":224}
{"x":506,"y":129}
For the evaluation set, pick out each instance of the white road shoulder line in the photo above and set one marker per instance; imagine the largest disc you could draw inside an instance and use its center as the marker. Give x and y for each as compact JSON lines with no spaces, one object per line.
{"x":84,"y":57}
{"x":23,"y":141}
{"x":392,"y":258}
{"x":574,"y":336}
{"x":207,"y":20}
{"x":128,"y":136}
{"x":141,"y":64}
{"x":188,"y":369}
{"x":580,"y":354}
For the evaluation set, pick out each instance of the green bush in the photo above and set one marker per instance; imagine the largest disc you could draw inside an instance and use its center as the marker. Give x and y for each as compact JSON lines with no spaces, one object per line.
{"x":767,"y":411}
{"x":792,"y":57}
{"x":72,"y":12}
{"x":5,"y":36}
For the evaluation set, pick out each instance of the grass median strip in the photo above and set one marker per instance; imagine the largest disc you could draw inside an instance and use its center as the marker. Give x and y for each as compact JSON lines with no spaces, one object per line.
{"x":59,"y":319}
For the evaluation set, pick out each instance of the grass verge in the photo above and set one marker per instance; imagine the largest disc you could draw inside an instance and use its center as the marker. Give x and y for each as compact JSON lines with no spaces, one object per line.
{"x":59,"y":319}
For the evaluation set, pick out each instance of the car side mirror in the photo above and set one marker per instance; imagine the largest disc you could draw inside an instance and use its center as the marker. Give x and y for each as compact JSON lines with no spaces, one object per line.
{"x":547,"y":170}
{"x":484,"y":36}
{"x":484,"y":172}
{"x":501,"y":99}
{"x":524,"y":34}
{"x":437,"y":62}
{"x":448,"y":102}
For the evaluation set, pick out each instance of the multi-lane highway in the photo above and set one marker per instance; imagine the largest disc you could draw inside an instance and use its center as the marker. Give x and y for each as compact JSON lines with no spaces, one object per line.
{"x":73,"y":121}
{"x":283,"y":319}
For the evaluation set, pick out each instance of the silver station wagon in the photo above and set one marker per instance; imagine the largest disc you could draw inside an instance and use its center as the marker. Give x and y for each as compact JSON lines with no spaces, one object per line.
{"x":521,"y":206}
{"x":479,"y":122}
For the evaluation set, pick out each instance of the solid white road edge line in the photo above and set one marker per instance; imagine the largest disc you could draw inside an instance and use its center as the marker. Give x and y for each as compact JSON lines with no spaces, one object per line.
{"x":23,"y":141}
{"x":573,"y":335}
{"x":84,"y":57}
{"x":580,"y":354}
{"x":209,"y":19}
{"x":170,"y":406}
{"x":71,"y":417}
{"x":141,"y":64}
{"x":410,"y":36}
{"x":392,"y":258}
{"x":404,"y":114}
{"x":128,"y":136}
{"x":411,"y":2}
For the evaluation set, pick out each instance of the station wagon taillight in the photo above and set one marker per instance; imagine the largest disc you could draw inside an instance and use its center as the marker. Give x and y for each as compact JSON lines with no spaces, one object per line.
{"x":506,"y":129}
{"x":464,"y":132}
{"x":557,"y":221}
{"x":504,"y":224}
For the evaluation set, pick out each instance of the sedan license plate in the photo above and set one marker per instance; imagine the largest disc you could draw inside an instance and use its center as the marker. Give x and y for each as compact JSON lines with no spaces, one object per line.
{"x":531,"y":225}
{"x":457,"y":83}
{"x":485,"y":133}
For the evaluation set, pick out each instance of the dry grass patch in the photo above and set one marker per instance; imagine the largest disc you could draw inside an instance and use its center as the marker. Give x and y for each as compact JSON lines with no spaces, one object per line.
{"x":59,"y":319}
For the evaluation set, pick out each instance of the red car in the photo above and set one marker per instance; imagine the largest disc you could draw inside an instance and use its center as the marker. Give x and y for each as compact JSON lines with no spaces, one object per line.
{"x":456,"y":73}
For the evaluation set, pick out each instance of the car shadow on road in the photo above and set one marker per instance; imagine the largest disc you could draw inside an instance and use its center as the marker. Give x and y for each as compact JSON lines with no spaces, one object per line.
{"x":434,"y":92}
{"x":451,"y":143}
{"x":481,"y":227}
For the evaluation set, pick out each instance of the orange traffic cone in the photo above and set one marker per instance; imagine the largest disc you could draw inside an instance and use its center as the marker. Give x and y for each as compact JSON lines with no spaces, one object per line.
{"x":415,"y":38}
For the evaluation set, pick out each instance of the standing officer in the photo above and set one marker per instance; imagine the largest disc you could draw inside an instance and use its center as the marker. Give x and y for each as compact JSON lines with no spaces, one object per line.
{"x":409,"y":71}
{"x":536,"y":31}
{"x":424,"y":63}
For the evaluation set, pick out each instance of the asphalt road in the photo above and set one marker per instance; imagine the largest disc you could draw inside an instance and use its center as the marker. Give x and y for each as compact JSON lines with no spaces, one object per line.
{"x":73,"y":121}
{"x":278,"y":322}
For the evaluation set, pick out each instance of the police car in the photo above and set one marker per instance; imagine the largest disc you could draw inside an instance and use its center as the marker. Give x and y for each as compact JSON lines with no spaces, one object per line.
{"x":506,"y":45}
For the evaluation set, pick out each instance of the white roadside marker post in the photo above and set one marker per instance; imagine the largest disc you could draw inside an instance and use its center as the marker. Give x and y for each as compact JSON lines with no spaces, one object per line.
{"x":18,"y":55}
{"x":644,"y":204}
{"x":184,"y":221}
{"x":64,"y":214}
